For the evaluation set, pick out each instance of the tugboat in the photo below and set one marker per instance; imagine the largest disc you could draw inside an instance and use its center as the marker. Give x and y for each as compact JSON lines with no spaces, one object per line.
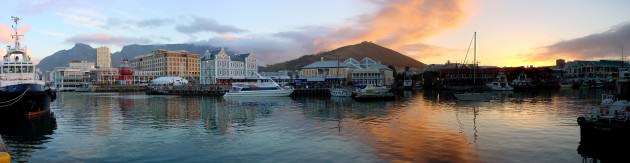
{"x":22,"y":91}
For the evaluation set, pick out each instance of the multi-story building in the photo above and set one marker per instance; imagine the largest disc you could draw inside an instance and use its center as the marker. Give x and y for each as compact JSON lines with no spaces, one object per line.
{"x":604,"y":70}
{"x":360,"y":73}
{"x":103,"y":57}
{"x":169,"y":63}
{"x":76,"y":75}
{"x":217,"y":67}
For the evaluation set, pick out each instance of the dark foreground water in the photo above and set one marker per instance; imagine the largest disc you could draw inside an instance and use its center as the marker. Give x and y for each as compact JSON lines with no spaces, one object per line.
{"x":418,"y":126}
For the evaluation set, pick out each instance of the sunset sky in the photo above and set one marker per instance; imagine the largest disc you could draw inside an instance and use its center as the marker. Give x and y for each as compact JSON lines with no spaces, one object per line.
{"x":510,"y":33}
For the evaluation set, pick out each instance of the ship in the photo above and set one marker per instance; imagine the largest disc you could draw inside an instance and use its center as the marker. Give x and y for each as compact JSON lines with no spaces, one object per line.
{"x":23,"y":93}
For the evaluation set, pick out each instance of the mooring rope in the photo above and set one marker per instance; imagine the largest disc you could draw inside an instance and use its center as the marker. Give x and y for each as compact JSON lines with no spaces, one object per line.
{"x":15,"y":100}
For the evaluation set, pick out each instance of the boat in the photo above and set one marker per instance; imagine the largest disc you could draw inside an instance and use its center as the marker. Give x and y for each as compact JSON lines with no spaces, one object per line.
{"x":373,"y":92}
{"x":22,"y":90}
{"x":522,"y":82}
{"x":473,"y":96}
{"x":613,"y":115}
{"x":263,"y":87}
{"x":340,"y":92}
{"x":500,"y":83}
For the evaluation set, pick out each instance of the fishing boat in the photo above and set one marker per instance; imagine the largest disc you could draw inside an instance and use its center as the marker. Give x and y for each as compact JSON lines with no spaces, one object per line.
{"x":263,"y":87}
{"x":500,"y":83}
{"x":473,"y":96}
{"x":22,"y":90}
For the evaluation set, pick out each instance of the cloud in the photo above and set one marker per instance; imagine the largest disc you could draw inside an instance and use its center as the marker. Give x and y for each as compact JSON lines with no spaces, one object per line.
{"x":143,"y":23}
{"x":106,"y":39}
{"x":83,"y":17}
{"x":268,"y":49}
{"x":6,"y":32}
{"x":398,"y":24}
{"x":207,"y":25}
{"x":606,"y":44}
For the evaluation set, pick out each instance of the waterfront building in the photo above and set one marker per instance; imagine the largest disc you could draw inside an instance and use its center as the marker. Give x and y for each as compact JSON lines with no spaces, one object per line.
{"x":217,"y":67}
{"x":76,"y":75}
{"x":169,"y":63}
{"x":103,"y":77}
{"x":281,"y":77}
{"x":103,"y":57}
{"x":602,"y":70}
{"x":360,"y":73}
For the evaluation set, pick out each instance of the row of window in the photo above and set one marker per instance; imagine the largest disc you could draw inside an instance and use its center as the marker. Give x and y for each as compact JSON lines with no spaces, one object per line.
{"x":17,"y":69}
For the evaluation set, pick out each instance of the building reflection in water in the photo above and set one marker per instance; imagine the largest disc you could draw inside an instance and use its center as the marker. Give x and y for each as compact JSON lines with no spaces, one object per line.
{"x":23,"y":137}
{"x":222,"y":114}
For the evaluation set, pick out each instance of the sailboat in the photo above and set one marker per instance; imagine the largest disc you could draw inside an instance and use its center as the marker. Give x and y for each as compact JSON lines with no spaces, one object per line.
{"x":473,"y":96}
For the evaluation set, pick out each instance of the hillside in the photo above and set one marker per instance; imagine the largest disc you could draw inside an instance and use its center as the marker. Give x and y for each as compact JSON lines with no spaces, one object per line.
{"x":358,"y":51}
{"x":88,"y":53}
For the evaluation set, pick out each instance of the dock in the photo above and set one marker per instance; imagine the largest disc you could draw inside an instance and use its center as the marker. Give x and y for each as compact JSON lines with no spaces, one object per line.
{"x":189,"y":90}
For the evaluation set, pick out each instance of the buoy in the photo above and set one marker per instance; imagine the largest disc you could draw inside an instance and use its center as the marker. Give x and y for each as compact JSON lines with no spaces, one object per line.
{"x":5,"y":157}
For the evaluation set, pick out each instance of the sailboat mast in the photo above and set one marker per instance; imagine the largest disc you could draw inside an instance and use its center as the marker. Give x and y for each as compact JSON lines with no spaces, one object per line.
{"x":475,"y":62}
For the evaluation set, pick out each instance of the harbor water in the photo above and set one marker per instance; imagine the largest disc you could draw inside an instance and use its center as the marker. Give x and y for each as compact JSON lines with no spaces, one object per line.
{"x":417,"y":126}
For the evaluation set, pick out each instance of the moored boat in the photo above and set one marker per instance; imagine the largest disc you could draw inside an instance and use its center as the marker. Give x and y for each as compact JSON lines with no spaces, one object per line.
{"x":522,"y":82}
{"x":22,"y":91}
{"x":340,"y":92}
{"x":372,"y":92}
{"x":500,"y":83}
{"x":261,"y":88}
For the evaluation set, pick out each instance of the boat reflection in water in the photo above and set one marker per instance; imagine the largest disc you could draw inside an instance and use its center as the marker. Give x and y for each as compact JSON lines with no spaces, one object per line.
{"x":23,"y":136}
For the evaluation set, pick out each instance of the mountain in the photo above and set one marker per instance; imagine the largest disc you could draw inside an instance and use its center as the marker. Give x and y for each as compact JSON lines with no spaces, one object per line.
{"x":88,"y":53}
{"x":358,"y":51}
{"x":61,"y":58}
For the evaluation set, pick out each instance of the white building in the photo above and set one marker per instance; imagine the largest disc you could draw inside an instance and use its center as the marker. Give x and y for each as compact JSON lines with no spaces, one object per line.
{"x":103,"y":57}
{"x":217,"y":67}
{"x":76,"y":75}
{"x":360,"y":73}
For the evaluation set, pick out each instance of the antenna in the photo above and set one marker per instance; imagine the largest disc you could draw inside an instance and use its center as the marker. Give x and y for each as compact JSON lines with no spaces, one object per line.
{"x":16,"y":36}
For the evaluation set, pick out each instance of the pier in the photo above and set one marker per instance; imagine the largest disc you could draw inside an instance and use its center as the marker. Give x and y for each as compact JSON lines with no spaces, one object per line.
{"x":311,"y":92}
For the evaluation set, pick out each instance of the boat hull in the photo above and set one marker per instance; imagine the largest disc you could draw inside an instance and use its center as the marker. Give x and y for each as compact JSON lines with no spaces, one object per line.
{"x":21,"y":100}
{"x":261,"y":93}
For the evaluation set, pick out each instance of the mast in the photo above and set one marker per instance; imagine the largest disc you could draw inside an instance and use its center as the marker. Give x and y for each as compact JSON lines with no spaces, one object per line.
{"x":16,"y":36}
{"x":475,"y":62}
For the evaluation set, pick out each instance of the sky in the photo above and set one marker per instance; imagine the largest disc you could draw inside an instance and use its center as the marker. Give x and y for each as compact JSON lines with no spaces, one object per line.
{"x":509,"y":33}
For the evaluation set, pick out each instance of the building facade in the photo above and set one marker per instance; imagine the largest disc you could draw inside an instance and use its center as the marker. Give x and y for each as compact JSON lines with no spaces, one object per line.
{"x":76,"y":75}
{"x":169,"y":63}
{"x":357,"y":72}
{"x":103,"y":57}
{"x":217,"y":67}
{"x":602,"y":70}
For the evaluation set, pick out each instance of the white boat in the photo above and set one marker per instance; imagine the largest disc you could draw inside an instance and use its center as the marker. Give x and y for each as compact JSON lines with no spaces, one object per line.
{"x":372,"y":92}
{"x":263,"y":87}
{"x":522,"y":82}
{"x":500,"y":84}
{"x":340,"y":92}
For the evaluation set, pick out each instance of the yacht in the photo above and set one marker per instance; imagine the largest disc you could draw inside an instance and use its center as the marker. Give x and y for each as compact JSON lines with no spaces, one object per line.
{"x":500,"y":84}
{"x":263,"y":87}
{"x":473,"y":96}
{"x":373,"y":92}
{"x":22,"y":91}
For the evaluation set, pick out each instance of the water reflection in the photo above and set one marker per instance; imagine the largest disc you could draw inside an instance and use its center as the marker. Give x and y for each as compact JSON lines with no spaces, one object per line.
{"x":23,"y":136}
{"x":418,"y":126}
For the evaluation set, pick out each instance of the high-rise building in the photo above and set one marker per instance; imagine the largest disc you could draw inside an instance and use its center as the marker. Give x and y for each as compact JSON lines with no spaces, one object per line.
{"x":103,"y":57}
{"x":169,"y":63}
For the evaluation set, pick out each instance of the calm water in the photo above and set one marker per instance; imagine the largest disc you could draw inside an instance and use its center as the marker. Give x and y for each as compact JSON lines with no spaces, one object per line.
{"x":420,"y":126}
